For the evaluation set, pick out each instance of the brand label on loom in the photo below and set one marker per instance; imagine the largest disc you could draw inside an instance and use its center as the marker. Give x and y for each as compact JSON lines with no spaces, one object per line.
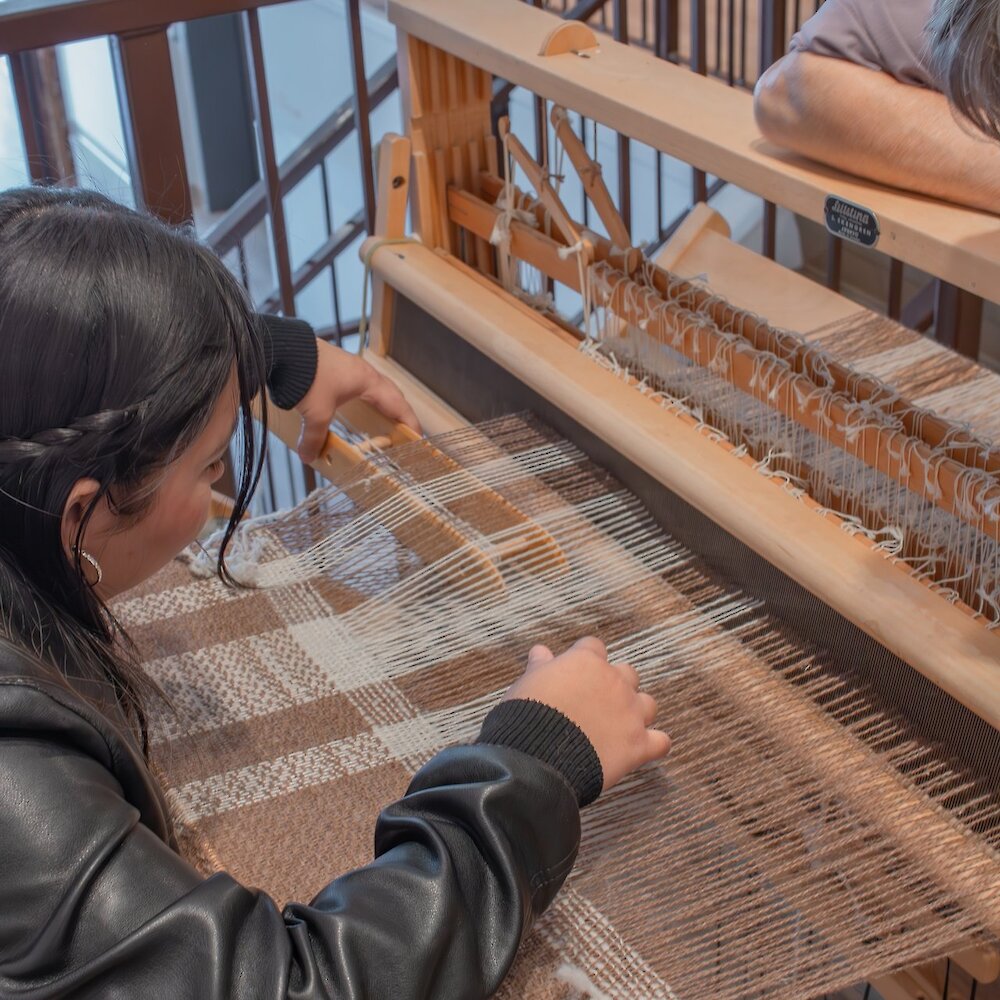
{"x":851,"y":222}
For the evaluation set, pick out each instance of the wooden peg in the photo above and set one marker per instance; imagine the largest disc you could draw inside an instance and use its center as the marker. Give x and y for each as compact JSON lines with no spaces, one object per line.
{"x":390,"y":223}
{"x":571,"y":36}
{"x":393,"y":186}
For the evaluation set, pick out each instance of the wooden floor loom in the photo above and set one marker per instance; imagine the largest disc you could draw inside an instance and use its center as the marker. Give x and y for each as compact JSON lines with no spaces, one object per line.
{"x":804,"y":564}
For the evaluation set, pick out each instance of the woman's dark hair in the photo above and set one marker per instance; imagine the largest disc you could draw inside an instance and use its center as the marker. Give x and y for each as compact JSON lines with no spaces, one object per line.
{"x":118,"y":336}
{"x":964,"y":38}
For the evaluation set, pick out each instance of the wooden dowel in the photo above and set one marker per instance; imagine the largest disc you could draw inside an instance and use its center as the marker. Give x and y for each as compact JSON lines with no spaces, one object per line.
{"x":446,"y":232}
{"x":528,"y":244}
{"x":484,"y":252}
{"x":561,"y":218}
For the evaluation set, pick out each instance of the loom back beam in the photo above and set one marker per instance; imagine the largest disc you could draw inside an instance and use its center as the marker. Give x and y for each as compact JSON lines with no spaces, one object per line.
{"x":939,"y":639}
{"x":468,"y":210}
{"x":699,"y":120}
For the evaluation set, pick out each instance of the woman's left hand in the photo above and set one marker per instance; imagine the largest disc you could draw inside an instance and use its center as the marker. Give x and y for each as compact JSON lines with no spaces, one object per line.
{"x":341,"y":377}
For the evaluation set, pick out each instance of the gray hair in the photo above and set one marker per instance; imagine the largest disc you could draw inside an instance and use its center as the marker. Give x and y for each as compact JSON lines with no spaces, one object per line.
{"x":965,"y":45}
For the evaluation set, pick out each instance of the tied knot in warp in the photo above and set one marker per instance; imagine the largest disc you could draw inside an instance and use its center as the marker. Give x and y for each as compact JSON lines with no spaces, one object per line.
{"x":566,"y":252}
{"x":500,"y":235}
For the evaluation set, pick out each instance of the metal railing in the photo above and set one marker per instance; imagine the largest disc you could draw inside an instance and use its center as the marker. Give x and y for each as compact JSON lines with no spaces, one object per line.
{"x":138,"y":33}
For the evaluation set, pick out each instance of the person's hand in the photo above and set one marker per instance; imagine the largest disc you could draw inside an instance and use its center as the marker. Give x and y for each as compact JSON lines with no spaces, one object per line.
{"x":341,"y":377}
{"x":602,"y":698}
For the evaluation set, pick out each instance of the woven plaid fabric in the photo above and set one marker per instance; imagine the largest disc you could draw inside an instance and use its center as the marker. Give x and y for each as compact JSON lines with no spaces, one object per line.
{"x":372,"y":637}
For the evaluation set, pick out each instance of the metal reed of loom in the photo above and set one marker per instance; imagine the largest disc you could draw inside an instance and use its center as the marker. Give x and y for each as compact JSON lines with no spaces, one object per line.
{"x":790,"y":527}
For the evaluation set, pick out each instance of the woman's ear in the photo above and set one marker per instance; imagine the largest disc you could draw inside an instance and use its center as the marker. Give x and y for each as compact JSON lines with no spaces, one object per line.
{"x":79,"y":501}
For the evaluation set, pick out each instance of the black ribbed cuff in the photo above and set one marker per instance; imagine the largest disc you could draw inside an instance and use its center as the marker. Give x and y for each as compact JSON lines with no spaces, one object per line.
{"x":544,"y":732}
{"x":291,"y":356}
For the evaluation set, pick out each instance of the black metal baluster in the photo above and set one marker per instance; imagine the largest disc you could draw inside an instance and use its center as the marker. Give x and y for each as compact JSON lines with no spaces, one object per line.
{"x":624,"y":143}
{"x":272,"y":180}
{"x":699,"y":64}
{"x":773,"y":18}
{"x":731,"y":45}
{"x":362,"y":112}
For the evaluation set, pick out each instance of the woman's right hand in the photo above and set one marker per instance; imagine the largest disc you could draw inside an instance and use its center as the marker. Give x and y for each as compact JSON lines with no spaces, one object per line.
{"x":602,"y":698}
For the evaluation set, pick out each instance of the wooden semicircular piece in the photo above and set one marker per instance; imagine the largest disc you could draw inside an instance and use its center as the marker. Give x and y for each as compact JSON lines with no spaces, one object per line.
{"x":571,"y":36}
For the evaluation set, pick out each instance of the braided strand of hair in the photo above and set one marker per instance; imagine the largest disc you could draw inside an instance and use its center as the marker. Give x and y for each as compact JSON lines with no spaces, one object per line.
{"x":46,"y":442}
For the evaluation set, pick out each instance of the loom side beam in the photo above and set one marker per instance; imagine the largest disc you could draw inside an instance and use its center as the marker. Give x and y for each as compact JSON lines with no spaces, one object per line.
{"x":941,"y":641}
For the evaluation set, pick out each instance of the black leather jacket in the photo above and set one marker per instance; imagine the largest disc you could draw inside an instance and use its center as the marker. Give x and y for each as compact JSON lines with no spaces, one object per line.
{"x":94,"y":902}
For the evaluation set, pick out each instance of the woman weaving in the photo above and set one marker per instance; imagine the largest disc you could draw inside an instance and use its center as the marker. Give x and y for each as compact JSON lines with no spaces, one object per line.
{"x":130,"y":354}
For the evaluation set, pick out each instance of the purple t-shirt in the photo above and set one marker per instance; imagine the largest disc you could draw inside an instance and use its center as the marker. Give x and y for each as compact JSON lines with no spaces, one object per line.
{"x":881,"y":34}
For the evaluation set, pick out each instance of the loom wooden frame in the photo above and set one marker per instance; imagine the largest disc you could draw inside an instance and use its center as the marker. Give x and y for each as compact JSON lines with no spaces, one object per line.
{"x":438,"y":417}
{"x":446,"y":108}
{"x":501,"y":37}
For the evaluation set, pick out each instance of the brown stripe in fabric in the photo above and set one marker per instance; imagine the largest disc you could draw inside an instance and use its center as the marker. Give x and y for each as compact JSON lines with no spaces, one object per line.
{"x":461,"y":679}
{"x":260,"y":738}
{"x":220,"y":623}
{"x":312,"y":835}
{"x":317,"y":597}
